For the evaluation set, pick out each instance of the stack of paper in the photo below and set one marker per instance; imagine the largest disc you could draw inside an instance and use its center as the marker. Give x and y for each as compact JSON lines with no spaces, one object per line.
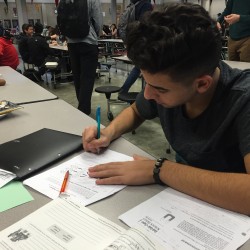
{"x":180,"y":221}
{"x":80,"y":187}
{"x":61,"y":225}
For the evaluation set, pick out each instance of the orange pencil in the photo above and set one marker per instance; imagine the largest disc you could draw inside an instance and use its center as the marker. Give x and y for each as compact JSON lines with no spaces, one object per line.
{"x":65,"y":180}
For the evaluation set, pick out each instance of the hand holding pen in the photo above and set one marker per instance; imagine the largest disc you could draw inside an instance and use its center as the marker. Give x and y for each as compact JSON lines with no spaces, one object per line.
{"x":94,"y":138}
{"x":98,"y":120}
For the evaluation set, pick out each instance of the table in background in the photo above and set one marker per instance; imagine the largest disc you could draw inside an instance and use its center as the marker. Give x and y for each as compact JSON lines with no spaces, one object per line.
{"x":123,"y":59}
{"x":64,"y":55}
{"x":127,"y":61}
{"x":19,"y":89}
{"x":111,"y":40}
{"x":112,"y":46}
{"x":59,"y":47}
{"x":239,"y":65}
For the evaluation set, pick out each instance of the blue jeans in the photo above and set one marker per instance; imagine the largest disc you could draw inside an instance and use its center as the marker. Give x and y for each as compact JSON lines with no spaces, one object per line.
{"x":132,"y":77}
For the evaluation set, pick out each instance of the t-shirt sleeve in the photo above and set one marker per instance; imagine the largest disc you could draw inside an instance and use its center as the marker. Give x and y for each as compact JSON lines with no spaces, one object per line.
{"x":146,"y":108}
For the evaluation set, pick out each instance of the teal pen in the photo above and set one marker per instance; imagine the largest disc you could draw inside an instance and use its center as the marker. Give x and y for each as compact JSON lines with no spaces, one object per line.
{"x":98,"y":120}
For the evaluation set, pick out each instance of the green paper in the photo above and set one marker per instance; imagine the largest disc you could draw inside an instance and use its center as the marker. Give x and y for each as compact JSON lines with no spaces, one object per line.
{"x":13,"y":194}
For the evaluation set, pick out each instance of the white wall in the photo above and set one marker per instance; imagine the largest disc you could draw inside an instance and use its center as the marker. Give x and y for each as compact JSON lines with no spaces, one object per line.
{"x":50,"y":18}
{"x":217,"y":7}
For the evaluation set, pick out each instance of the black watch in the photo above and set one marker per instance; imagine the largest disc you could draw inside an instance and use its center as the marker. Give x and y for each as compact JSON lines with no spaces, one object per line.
{"x":157,"y":169}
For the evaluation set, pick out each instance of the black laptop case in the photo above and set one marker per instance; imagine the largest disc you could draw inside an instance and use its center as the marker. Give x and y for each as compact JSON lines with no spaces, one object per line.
{"x":25,"y":155}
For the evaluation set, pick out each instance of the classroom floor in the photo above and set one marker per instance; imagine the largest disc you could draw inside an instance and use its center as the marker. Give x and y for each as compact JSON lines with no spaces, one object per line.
{"x":149,"y":136}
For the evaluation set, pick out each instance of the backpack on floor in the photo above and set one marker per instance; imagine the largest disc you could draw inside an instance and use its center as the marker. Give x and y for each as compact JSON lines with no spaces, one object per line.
{"x":73,"y":18}
{"x":126,"y":17}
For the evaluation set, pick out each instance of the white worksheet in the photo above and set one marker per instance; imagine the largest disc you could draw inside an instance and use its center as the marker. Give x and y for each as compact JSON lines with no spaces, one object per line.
{"x":183,"y":222}
{"x":135,"y":239}
{"x":80,"y":186}
{"x":62,"y":225}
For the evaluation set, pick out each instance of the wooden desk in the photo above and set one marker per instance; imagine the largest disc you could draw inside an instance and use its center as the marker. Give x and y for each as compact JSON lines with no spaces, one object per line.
{"x":19,"y":89}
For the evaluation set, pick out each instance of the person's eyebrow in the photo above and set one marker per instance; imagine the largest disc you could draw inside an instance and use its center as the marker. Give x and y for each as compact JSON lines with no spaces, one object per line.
{"x":157,"y":87}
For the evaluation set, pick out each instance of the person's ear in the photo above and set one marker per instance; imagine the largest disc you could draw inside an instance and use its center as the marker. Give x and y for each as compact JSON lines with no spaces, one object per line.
{"x":203,"y":83}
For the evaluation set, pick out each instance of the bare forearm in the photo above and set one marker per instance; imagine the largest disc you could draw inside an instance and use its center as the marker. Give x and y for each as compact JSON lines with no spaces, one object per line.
{"x":125,"y":122}
{"x":227,"y":190}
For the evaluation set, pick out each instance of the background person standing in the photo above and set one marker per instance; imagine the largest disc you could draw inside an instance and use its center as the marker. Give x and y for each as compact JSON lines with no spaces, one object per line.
{"x":140,"y":9}
{"x":83,"y":54}
{"x":237,"y":15}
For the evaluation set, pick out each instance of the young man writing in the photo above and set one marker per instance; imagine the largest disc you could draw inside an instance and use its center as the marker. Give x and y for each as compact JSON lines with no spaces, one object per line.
{"x":203,"y":106}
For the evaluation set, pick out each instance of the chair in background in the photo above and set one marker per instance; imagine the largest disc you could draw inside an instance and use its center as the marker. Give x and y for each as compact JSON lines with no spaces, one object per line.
{"x":51,"y":67}
{"x":224,"y":49}
{"x":102,"y":68}
{"x":108,"y":90}
{"x":129,"y":98}
{"x":123,"y":98}
{"x":32,"y":72}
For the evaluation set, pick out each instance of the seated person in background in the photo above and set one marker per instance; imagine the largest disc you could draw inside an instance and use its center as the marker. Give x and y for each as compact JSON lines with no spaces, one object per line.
{"x":52,"y":34}
{"x":203,"y":106}
{"x":39,"y":49}
{"x":51,"y":31}
{"x":54,"y":31}
{"x":48,"y":33}
{"x":23,"y":41}
{"x":8,"y":53}
{"x":113,"y":30}
{"x":106,"y":31}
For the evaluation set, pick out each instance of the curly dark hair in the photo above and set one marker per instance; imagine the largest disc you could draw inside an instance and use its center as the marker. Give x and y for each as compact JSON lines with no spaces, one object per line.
{"x":181,"y":40}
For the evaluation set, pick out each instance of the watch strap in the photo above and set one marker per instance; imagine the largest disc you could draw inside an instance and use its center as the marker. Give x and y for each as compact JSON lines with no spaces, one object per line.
{"x":157,"y":169}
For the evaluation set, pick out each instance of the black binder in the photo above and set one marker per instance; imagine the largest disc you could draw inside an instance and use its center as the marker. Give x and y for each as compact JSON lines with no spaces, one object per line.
{"x":28,"y":154}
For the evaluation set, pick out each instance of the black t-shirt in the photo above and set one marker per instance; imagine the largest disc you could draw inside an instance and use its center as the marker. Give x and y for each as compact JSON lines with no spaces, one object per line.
{"x":219,"y":138}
